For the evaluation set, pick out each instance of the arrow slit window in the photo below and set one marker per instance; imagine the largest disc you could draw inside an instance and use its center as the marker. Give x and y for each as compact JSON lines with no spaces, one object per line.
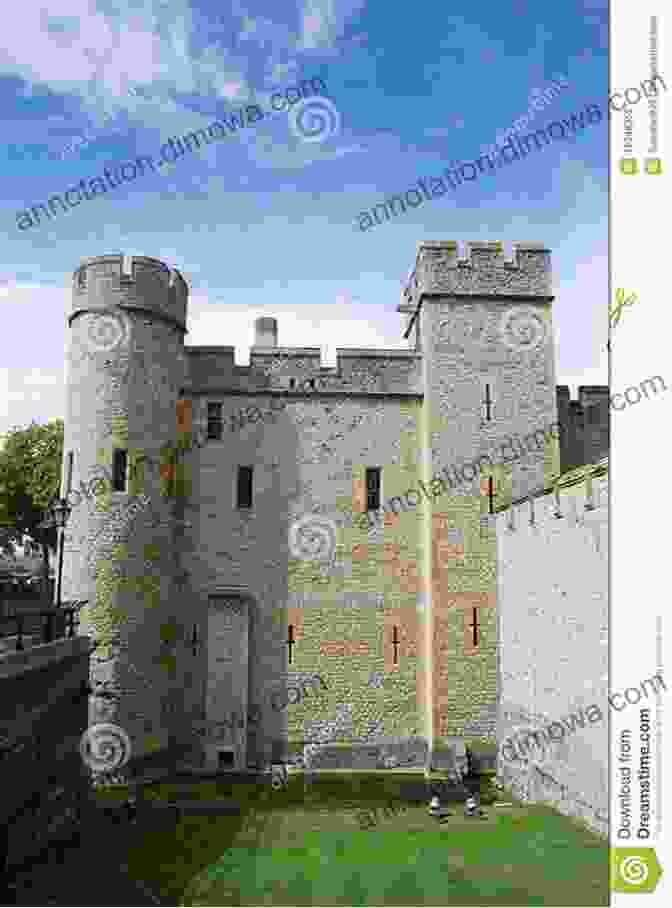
{"x":373,"y":489}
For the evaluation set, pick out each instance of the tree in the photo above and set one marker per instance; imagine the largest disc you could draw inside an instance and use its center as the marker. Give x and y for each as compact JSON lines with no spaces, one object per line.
{"x":30,"y":475}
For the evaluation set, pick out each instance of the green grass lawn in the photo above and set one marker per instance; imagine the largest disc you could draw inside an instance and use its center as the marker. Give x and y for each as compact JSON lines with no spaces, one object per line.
{"x":289,"y":848}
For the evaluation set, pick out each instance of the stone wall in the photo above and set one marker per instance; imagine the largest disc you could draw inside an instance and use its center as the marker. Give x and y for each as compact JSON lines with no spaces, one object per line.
{"x":553,"y":629}
{"x":43,"y":714}
{"x":309,"y":459}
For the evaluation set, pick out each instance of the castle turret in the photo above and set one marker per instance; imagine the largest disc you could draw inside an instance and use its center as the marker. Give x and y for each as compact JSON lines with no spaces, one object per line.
{"x":484,"y":325}
{"x":126,"y":368}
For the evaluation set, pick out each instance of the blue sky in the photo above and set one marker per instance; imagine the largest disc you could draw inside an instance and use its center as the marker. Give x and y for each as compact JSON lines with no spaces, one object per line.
{"x":264,"y":222}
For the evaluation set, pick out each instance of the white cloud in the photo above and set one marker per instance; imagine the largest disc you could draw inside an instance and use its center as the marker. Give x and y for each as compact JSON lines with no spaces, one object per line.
{"x":77,"y":46}
{"x":139,"y":58}
{"x":97,"y":56}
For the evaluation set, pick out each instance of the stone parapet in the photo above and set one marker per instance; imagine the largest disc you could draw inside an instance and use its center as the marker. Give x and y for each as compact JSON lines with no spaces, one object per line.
{"x":298,"y":370}
{"x":131,"y":282}
{"x":484,"y":271}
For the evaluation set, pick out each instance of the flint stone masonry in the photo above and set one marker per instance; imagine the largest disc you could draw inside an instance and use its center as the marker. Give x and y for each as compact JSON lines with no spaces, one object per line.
{"x":400,"y":620}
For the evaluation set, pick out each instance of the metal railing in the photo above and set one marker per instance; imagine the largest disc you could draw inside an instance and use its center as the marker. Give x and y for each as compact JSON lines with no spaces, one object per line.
{"x":50,"y":629}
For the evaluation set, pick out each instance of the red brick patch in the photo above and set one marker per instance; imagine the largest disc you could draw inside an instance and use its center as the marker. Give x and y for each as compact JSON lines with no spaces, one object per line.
{"x":344,"y":649}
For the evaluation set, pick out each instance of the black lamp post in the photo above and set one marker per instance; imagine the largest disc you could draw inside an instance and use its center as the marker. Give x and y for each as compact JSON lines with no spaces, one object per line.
{"x":59,"y":511}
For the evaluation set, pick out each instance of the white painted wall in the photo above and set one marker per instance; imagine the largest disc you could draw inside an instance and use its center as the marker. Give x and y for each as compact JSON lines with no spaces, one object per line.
{"x":553,"y":660}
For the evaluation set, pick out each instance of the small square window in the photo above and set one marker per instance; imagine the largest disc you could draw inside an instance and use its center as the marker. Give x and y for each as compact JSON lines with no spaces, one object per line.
{"x":119,"y":468}
{"x":373,"y":489}
{"x":215,"y":421}
{"x":244,"y":496}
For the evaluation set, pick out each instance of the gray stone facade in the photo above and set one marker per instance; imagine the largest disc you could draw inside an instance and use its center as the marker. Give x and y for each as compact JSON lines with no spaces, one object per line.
{"x":410,"y":603}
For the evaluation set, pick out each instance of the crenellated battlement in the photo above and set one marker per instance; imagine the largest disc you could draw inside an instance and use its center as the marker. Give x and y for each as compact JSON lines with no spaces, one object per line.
{"x":299,"y":370}
{"x":131,"y":282}
{"x":483,"y":271}
{"x":573,"y":497}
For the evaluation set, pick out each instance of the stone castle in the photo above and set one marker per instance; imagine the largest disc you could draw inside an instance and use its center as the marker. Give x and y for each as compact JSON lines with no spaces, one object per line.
{"x":238,"y":569}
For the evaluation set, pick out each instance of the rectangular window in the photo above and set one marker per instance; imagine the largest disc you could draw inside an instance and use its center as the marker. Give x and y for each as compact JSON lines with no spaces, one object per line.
{"x":373,"y":489}
{"x":215,"y":421}
{"x":68,"y":472}
{"x":225,"y":758}
{"x":119,"y":467}
{"x":487,"y":404}
{"x":244,"y":498}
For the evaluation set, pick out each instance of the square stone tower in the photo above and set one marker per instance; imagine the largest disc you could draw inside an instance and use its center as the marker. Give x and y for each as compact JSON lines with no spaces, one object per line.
{"x":483,"y":325}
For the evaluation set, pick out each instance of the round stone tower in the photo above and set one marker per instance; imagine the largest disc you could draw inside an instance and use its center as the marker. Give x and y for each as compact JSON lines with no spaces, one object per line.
{"x":126,"y":368}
